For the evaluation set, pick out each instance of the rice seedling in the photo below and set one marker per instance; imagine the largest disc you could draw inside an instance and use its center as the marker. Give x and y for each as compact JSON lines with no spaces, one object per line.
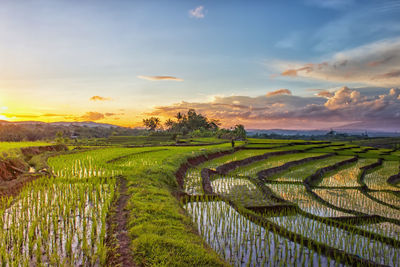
{"x":301,"y":172}
{"x":386,"y":197}
{"x":243,"y":243}
{"x":298,"y":194}
{"x":385,"y":228}
{"x":252,"y":169}
{"x":377,"y":180}
{"x":346,"y":177}
{"x":341,"y":239}
{"x":241,"y":191}
{"x":353,"y":199}
{"x":192,"y":184}
{"x":55,"y":222}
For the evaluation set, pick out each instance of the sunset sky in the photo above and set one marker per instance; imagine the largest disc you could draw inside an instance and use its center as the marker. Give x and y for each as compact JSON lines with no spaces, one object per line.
{"x":302,"y":64}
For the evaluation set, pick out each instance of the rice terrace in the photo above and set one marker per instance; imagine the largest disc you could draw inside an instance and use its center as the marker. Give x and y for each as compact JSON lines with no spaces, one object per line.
{"x":265,"y":202}
{"x":199,"y":133}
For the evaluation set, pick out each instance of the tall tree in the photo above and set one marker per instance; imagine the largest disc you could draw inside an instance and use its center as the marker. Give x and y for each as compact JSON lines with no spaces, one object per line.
{"x":152,"y":123}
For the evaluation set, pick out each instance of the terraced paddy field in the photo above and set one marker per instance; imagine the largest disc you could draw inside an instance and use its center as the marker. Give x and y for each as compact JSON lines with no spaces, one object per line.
{"x":300,"y":173}
{"x":323,"y":205}
{"x":264,"y":203}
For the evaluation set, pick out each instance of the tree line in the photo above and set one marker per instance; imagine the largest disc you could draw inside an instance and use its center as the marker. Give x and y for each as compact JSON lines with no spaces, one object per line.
{"x":195,"y":125}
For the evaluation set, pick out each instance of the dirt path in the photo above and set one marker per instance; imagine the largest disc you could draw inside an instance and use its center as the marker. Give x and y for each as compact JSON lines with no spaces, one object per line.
{"x":118,"y":223}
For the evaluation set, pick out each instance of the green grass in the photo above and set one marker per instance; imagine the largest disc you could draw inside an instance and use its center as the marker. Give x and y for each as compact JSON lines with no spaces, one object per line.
{"x":161,"y":232}
{"x":4,"y":146}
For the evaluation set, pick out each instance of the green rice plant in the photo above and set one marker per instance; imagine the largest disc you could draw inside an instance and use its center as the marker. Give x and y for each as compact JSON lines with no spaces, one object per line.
{"x":348,"y":241}
{"x":244,"y":243}
{"x":252,"y":169}
{"x":298,"y":194}
{"x":346,"y":177}
{"x":353,"y":199}
{"x":299,"y":173}
{"x":192,"y":183}
{"x":50,"y":218}
{"x":377,"y":179}
{"x":385,"y":228}
{"x":241,"y":191}
{"x":387,"y":197}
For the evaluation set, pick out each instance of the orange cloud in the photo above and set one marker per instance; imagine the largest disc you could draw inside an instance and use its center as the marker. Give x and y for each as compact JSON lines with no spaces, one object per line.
{"x":380,"y":62}
{"x":160,"y":78}
{"x":92,"y":116}
{"x":289,"y":72}
{"x":325,"y":94}
{"x":340,"y":108}
{"x":307,"y":68}
{"x":388,"y":75}
{"x":373,"y":64}
{"x":280,"y":92}
{"x":99,"y":98}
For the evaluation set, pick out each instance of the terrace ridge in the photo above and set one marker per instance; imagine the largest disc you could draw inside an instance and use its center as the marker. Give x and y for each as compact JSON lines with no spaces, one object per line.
{"x":264,"y":174}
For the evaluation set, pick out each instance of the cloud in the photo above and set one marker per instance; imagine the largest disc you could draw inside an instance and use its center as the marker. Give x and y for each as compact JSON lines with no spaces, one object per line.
{"x":160,"y":78}
{"x":197,"y":12}
{"x":373,"y":64}
{"x":325,"y":94}
{"x":341,"y":107}
{"x":377,"y":63}
{"x":388,"y":75}
{"x":99,"y":98}
{"x":92,"y":116}
{"x":95,"y":116}
{"x":280,"y":92}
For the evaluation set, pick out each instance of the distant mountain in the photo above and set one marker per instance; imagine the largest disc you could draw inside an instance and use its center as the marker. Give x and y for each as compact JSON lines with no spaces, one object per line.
{"x":383,"y":126}
{"x":287,"y":132}
{"x":21,"y":122}
{"x":373,"y":130}
{"x":84,"y":123}
{"x":90,"y":124}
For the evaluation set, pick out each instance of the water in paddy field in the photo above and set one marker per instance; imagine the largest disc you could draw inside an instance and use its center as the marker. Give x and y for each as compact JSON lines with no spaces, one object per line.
{"x":347,"y":241}
{"x":243,"y":243}
{"x":298,"y":194}
{"x":55,"y":224}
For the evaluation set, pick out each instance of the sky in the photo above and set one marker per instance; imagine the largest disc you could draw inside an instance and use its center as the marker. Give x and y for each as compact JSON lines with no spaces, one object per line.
{"x":304,"y":64}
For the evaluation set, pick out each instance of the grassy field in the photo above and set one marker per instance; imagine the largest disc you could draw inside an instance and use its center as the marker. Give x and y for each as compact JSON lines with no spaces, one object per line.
{"x":4,"y":146}
{"x":119,"y":204}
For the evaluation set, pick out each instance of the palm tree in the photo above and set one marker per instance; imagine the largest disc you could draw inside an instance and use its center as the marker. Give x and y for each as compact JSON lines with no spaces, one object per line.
{"x":152,"y":123}
{"x":169,"y":123}
{"x":179,"y":116}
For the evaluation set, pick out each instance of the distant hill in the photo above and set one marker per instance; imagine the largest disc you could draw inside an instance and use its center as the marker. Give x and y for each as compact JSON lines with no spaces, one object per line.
{"x":90,"y":124}
{"x":85,"y":123}
{"x":373,"y":126}
{"x":355,"y":129}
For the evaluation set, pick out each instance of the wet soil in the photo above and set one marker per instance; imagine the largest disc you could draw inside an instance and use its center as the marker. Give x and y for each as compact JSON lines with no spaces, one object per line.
{"x":118,"y":236}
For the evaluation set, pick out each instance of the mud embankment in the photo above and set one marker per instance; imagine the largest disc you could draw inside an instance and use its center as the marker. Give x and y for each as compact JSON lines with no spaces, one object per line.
{"x":264,"y":174}
{"x":191,"y":162}
{"x":317,"y":176}
{"x":14,"y":172}
{"x":36,"y":150}
{"x":394,"y":179}
{"x":367,"y":168}
{"x":230,"y":166}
